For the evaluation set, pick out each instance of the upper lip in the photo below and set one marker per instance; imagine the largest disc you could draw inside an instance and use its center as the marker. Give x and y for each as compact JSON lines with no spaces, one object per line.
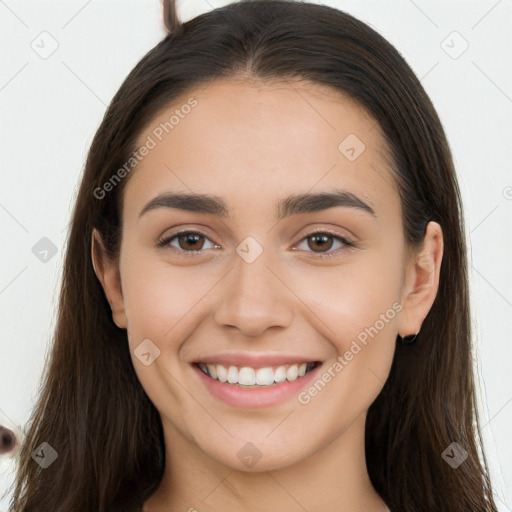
{"x":253,"y":359}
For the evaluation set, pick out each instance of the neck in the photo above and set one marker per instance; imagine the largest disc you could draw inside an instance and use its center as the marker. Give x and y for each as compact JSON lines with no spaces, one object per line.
{"x":333,"y":479}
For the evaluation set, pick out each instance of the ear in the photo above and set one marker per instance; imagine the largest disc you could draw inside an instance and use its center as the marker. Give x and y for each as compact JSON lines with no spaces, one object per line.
{"x":107,"y":271}
{"x":421,"y":281}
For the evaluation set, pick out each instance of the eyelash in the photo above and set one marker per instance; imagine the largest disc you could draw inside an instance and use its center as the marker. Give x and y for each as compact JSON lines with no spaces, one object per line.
{"x":165,"y":242}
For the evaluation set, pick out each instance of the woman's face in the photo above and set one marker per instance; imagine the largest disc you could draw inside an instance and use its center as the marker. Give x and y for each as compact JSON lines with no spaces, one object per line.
{"x":252,"y":287}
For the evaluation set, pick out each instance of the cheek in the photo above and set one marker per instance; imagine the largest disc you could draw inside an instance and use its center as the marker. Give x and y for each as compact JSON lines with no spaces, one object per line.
{"x":161,"y":304}
{"x":159,"y":299}
{"x":361,"y":293}
{"x":364,"y":340}
{"x":359,"y":305}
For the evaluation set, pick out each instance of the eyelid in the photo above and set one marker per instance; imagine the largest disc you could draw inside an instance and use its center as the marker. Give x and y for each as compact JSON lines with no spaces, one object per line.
{"x":346,"y":241}
{"x":165,"y":241}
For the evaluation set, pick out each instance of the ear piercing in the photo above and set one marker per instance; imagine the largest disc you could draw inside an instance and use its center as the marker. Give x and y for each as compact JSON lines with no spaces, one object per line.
{"x":408,"y":340}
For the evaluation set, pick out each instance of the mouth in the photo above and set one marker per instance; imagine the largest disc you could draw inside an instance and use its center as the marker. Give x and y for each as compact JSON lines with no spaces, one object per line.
{"x":256,"y":377}
{"x":255,"y":380}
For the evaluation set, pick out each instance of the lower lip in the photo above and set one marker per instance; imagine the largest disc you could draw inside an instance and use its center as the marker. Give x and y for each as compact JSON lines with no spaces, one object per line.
{"x":256,"y":397}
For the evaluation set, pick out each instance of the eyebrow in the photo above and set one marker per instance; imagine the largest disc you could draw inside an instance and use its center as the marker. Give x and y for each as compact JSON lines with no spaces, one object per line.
{"x":286,"y":207}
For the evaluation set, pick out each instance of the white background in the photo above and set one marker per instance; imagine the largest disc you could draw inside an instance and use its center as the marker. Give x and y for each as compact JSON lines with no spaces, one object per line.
{"x":51,"y":107}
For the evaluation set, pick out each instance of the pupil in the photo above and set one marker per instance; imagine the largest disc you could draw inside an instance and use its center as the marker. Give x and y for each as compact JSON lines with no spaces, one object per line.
{"x":322,"y":239}
{"x":192,"y":239}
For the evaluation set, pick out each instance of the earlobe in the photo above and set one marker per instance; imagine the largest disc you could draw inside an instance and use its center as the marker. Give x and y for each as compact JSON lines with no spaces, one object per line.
{"x":107,"y":272}
{"x":422,"y":281}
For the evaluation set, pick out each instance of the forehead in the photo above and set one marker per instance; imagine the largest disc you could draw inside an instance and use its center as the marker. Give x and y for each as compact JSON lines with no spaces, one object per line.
{"x":247,"y":139}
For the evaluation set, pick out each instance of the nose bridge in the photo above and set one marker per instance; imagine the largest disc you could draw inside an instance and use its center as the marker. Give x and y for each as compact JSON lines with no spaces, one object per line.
{"x":253,"y":298}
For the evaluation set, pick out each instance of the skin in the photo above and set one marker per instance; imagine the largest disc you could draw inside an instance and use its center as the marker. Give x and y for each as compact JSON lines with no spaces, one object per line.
{"x":252,"y":143}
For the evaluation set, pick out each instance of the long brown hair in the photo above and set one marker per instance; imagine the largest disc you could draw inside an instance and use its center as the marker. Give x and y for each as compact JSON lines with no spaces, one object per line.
{"x":92,"y":409}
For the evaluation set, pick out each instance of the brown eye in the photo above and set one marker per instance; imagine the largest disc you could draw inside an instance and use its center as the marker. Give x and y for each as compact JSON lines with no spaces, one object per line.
{"x":191,"y":241}
{"x":319,"y":242}
{"x":186,"y":242}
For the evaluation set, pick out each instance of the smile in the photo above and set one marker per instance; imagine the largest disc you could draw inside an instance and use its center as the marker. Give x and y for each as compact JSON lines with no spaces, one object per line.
{"x":256,"y":377}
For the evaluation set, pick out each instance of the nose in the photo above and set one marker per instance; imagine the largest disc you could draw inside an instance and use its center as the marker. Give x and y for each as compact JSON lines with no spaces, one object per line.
{"x":254,"y":298}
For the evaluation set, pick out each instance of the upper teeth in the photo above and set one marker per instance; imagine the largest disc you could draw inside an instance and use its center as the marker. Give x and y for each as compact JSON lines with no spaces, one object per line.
{"x":247,"y":376}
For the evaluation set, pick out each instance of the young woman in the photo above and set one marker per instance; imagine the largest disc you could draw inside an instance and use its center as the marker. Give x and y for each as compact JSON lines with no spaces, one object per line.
{"x":265,"y":296}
